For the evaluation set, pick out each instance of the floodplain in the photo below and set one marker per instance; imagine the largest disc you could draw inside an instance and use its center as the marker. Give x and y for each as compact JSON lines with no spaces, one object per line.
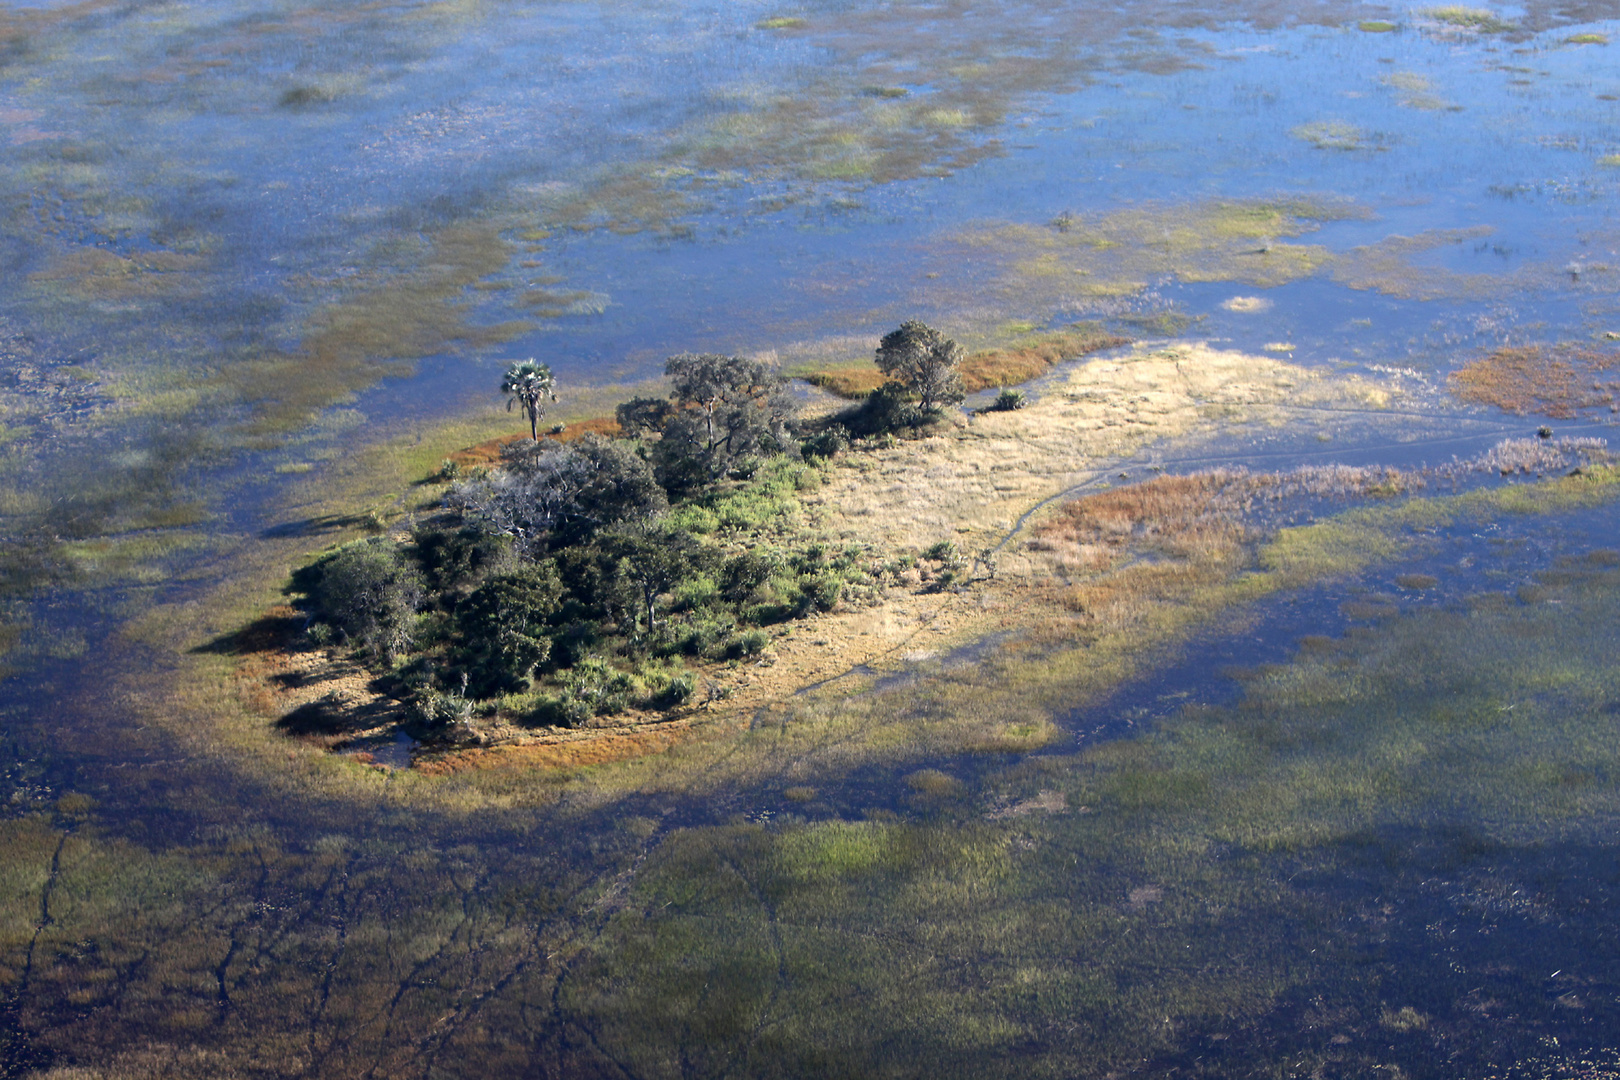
{"x":1242,"y":704}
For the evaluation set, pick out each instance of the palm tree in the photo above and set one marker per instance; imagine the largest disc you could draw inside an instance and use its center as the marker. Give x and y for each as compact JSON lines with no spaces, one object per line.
{"x":526,"y":383}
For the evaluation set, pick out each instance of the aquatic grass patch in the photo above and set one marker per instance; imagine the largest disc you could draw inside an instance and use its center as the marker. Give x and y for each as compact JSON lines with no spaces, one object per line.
{"x":204,"y":945}
{"x":1337,"y":135}
{"x":1588,"y":38}
{"x":1416,"y":91}
{"x":1403,"y":266}
{"x":1376,"y":26}
{"x":1114,"y":255}
{"x":1479,"y":20}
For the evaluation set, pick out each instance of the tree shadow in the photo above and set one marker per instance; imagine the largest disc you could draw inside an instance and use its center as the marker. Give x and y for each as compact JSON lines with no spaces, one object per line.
{"x":320,"y":525}
{"x":331,"y":716}
{"x":279,"y":630}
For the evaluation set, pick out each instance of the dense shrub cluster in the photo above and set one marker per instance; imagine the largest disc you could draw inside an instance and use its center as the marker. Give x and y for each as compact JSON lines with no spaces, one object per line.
{"x":582,"y":579}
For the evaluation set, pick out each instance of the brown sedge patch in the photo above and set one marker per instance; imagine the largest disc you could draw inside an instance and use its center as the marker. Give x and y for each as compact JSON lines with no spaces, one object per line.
{"x":984,"y":369}
{"x":488,"y":453}
{"x":1553,"y":380}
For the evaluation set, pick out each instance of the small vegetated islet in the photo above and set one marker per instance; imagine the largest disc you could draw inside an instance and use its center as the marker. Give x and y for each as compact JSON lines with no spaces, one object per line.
{"x":583,"y":579}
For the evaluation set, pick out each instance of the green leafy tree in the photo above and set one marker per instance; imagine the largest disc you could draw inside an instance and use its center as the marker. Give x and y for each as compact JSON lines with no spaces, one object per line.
{"x":366,"y":592}
{"x":637,"y":567}
{"x":641,"y":415}
{"x":728,"y":411}
{"x":924,"y":361}
{"x":529,"y":384}
{"x":505,"y":627}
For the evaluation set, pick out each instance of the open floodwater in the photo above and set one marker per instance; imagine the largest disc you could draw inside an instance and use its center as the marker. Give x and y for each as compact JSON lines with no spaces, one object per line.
{"x":260,"y":259}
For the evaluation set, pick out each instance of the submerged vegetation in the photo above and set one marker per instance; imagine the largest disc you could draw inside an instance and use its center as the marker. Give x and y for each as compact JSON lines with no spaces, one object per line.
{"x":1335,"y":135}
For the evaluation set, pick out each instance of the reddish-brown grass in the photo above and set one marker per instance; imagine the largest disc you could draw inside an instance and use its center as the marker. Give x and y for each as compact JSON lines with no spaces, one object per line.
{"x":1553,"y":380}
{"x":1011,"y":366}
{"x":985,"y":369}
{"x":1177,"y":515}
{"x":852,"y":383}
{"x":489,"y":453}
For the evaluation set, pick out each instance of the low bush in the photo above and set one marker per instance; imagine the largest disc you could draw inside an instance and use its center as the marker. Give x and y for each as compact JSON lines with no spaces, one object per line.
{"x":667,"y":687}
{"x":1009,"y":400}
{"x":825,"y":444}
{"x":597,"y":687}
{"x":746,"y":644}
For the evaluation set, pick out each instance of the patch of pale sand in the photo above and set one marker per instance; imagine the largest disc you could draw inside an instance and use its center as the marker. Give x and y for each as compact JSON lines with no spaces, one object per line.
{"x":971,"y":484}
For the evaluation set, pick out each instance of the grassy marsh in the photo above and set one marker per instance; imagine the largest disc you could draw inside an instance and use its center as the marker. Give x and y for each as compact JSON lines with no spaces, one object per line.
{"x":1371,"y":761}
{"x":1254,"y":882}
{"x":1063,"y":914}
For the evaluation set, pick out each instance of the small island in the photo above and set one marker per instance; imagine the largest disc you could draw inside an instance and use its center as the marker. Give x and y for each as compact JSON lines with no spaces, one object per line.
{"x":607,"y":575}
{"x":597,"y":590}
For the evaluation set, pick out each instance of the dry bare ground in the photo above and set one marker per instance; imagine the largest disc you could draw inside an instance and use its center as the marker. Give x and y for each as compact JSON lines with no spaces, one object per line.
{"x":973,"y":484}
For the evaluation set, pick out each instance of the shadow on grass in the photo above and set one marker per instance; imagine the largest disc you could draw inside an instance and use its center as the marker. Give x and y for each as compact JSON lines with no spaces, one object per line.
{"x":331,"y":716}
{"x":278,"y":630}
{"x":320,"y":525}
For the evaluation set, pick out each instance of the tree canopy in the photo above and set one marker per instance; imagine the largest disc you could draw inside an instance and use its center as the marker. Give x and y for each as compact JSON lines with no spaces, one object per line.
{"x":923,"y":361}
{"x":727,"y":412}
{"x":553,"y":493}
{"x":365,"y":592}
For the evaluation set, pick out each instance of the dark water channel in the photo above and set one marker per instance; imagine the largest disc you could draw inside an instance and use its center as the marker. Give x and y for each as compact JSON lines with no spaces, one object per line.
{"x":1364,"y":827}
